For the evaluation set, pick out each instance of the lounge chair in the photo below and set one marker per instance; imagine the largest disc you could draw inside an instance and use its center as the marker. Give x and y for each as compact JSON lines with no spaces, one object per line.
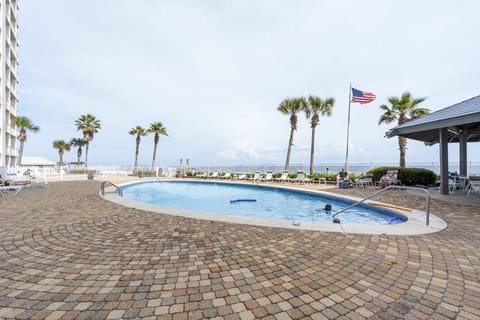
{"x":268,"y":176}
{"x":227,"y":175}
{"x":203,"y":175}
{"x":473,"y":185}
{"x":284,"y":177}
{"x":301,"y":177}
{"x":214,"y":175}
{"x":256,"y":177}
{"x":365,"y":182}
{"x":389,"y":179}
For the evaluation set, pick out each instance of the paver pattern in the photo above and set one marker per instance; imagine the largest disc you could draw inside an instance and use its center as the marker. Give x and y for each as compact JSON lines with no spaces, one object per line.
{"x":68,"y":254}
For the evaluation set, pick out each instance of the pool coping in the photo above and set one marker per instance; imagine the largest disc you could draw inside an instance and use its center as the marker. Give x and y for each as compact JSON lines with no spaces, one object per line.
{"x":415,"y":225}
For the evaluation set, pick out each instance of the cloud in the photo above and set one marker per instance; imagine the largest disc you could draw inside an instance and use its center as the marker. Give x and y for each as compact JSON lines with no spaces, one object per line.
{"x":241,"y":150}
{"x":214,"y":73}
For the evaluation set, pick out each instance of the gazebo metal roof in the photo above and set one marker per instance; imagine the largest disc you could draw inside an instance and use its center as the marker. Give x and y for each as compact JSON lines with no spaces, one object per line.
{"x":462,"y":117}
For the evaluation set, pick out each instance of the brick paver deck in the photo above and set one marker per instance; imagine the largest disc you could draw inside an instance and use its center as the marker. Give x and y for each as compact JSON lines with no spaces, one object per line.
{"x":68,"y":254}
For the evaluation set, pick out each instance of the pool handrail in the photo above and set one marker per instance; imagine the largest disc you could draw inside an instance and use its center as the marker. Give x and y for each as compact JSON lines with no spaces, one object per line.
{"x":427,"y":204}
{"x":117,"y":188}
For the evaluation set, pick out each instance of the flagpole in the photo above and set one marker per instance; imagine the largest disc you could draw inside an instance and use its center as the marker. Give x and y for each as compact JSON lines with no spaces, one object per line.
{"x":348,"y":126}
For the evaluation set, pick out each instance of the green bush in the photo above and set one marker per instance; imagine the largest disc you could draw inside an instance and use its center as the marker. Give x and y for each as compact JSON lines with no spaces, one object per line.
{"x":77,"y":171}
{"x":276,"y":175}
{"x":407,"y":176}
{"x":190,"y":173}
{"x":144,"y":173}
{"x":318,"y":175}
{"x":293,"y":175}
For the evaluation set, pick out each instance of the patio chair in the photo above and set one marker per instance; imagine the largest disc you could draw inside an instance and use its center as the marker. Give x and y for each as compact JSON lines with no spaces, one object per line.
{"x":473,"y":185}
{"x":301,"y":177}
{"x":203,"y":175}
{"x":268,"y":176}
{"x":364,"y":182}
{"x":241,"y":177}
{"x":451,"y":185}
{"x":284,"y":177}
{"x":256,"y":177}
{"x":389,"y":179}
{"x":226,"y":176}
{"x":214,"y":175}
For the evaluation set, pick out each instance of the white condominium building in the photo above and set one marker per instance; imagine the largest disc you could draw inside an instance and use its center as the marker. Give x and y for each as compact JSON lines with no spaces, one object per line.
{"x":8,"y":81}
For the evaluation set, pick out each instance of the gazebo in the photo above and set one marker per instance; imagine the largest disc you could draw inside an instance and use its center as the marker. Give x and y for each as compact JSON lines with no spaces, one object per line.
{"x":458,"y":123}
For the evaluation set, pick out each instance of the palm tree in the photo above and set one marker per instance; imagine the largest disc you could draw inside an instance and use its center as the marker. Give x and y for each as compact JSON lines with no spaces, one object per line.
{"x":78,"y":142}
{"x":316,"y":107}
{"x":292,"y":107}
{"x":25,"y":124}
{"x":61,"y":146}
{"x":89,"y":125}
{"x":138,"y":131}
{"x":158,"y":129}
{"x":402,"y":109}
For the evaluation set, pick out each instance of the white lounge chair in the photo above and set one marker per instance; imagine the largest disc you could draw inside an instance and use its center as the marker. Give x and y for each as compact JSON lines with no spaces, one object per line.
{"x":268,"y":176}
{"x":227,"y":175}
{"x":203,"y":175}
{"x":473,"y":185}
{"x":284,"y":177}
{"x":241,"y":177}
{"x":256,"y":177}
{"x":214,"y":175}
{"x":301,"y":177}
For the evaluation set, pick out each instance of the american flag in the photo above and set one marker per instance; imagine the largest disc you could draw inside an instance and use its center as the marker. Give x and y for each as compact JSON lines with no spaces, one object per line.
{"x":362,"y":96}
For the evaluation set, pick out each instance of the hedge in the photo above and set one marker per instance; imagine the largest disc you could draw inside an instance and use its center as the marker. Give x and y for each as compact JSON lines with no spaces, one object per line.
{"x":407,"y":176}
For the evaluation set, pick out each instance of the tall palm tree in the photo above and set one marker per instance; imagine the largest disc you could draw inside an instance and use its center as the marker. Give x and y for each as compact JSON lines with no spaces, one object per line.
{"x":292,"y":107}
{"x":25,"y":124}
{"x":61,"y":146}
{"x":89,"y":125}
{"x":79,"y":143}
{"x":316,"y":107}
{"x":159,"y":130}
{"x":402,"y":109}
{"x":139,"y":132}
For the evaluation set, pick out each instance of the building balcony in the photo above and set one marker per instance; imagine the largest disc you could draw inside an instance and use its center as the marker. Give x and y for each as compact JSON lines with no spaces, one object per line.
{"x":13,"y":132}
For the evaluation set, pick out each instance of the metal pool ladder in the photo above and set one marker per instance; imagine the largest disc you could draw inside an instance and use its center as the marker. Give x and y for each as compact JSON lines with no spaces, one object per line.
{"x":117,"y":188}
{"x":427,"y":204}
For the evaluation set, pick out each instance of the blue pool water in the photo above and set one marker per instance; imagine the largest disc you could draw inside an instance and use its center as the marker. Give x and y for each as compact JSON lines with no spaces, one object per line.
{"x":270,"y":202}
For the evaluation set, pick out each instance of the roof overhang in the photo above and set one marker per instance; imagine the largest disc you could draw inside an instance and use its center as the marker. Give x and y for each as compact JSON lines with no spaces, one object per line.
{"x":465,"y":127}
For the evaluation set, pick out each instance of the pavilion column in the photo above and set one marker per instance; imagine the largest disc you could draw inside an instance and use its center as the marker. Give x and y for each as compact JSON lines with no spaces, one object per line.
{"x":443,"y":161}
{"x":463,"y":153}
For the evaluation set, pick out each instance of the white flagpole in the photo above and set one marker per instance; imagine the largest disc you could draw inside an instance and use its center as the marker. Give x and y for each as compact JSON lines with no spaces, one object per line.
{"x":348,"y":126}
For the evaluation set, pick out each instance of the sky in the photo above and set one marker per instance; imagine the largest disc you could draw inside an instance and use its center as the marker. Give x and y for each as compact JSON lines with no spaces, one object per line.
{"x":214,"y":72}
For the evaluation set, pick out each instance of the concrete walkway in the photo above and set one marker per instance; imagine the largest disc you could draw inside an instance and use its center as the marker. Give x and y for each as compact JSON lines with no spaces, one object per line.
{"x":68,"y":254}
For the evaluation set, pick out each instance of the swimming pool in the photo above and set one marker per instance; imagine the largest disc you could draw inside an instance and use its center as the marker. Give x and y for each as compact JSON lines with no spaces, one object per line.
{"x":270,"y":202}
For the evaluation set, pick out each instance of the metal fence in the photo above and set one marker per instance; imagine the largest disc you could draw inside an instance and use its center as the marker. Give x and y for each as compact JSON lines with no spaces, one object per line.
{"x":473,"y":168}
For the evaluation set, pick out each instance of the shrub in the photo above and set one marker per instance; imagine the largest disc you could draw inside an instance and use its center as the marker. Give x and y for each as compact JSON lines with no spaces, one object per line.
{"x":144,"y":173}
{"x":407,"y":176}
{"x":190,"y":173}
{"x":318,"y":175}
{"x":276,"y":175}
{"x":77,"y":171}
